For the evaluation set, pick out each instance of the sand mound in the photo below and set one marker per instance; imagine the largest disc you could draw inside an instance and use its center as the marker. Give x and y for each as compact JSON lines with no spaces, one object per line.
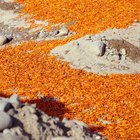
{"x":122,"y":52}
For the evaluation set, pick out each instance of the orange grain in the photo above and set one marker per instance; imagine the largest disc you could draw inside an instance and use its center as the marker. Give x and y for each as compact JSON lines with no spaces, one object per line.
{"x":81,"y":95}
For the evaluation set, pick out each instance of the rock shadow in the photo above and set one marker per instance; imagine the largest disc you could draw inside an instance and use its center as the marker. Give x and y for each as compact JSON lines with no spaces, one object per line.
{"x":50,"y":106}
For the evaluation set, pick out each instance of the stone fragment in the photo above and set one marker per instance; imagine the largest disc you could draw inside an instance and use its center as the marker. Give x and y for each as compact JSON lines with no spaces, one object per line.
{"x":12,"y":112}
{"x":3,"y":40}
{"x":43,"y":34}
{"x":136,"y":21}
{"x":98,"y":48}
{"x":14,"y":99}
{"x":123,"y":51}
{"x":62,"y":32}
{"x":4,"y":105}
{"x":97,"y":137}
{"x":5,"y":121}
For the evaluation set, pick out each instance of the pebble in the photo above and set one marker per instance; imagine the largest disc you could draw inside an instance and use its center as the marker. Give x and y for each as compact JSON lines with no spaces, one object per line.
{"x":136,"y":21}
{"x":5,"y":121}
{"x":97,"y":137}
{"x":3,"y":40}
{"x":4,"y":105}
{"x":12,"y":112}
{"x":62,"y":32}
{"x":43,"y":34}
{"x":123,"y":51}
{"x":14,"y":99}
{"x":98,"y":48}
{"x":32,"y":110}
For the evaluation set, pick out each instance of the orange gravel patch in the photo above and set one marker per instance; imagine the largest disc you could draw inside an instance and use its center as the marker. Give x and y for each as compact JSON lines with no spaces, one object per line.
{"x":28,"y":70}
{"x":92,"y":16}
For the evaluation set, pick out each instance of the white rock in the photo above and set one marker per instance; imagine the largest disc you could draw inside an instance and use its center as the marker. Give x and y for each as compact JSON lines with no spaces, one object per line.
{"x":97,"y":137}
{"x":3,"y":40}
{"x":123,"y":51}
{"x":62,"y":32}
{"x":14,"y":99}
{"x":136,"y":21}
{"x":4,"y":105}
{"x":97,"y":48}
{"x":43,"y":34}
{"x":5,"y":121}
{"x":63,"y":138}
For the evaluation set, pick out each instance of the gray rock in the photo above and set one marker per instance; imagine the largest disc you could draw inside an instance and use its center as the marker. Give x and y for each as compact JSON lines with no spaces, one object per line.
{"x":98,"y":48}
{"x":4,"y":105}
{"x":3,"y":40}
{"x":5,"y":121}
{"x":14,"y":99}
{"x":123,"y":51}
{"x":62,"y":32}
{"x":9,"y":136}
{"x":43,"y":34}
{"x":97,"y":137}
{"x":12,"y":112}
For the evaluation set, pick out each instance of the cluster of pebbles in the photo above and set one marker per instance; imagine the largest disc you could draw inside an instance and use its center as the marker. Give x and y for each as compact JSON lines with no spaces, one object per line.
{"x":15,"y":28}
{"x":23,"y":121}
{"x":41,"y":35}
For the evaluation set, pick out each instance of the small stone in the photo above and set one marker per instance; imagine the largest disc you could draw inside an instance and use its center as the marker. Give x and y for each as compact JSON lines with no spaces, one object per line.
{"x":97,"y":137}
{"x":62,"y":32}
{"x":4,"y":105}
{"x":123,"y":51}
{"x":136,"y":21}
{"x":64,"y":120}
{"x":43,"y":34}
{"x":98,"y":48}
{"x":3,"y":40}
{"x":123,"y":57}
{"x":15,"y":101}
{"x":32,"y":110}
{"x":17,"y":130}
{"x":44,"y":118}
{"x":5,"y":131}
{"x":34,"y":117}
{"x":116,"y":57}
{"x":5,"y":121}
